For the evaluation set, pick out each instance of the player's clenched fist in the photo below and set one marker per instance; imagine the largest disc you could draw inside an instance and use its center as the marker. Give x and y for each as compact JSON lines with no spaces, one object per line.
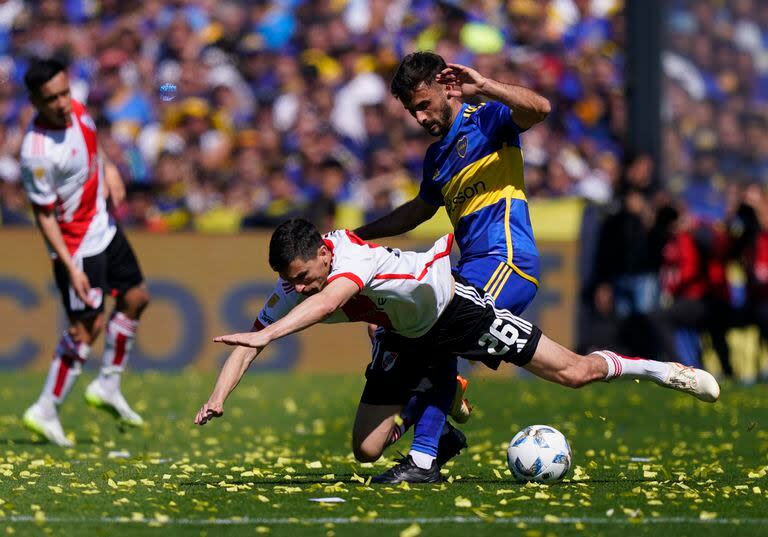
{"x":207,"y":412}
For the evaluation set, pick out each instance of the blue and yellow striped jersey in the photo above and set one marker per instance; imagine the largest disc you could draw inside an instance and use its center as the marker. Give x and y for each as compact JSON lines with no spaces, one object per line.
{"x":476,"y":171}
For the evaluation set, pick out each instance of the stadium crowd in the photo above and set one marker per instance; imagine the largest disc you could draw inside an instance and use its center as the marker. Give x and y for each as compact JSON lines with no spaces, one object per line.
{"x":222,"y":115}
{"x":228,"y":115}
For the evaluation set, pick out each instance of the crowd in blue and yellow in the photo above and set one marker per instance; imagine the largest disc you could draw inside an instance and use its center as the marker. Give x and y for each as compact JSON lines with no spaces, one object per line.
{"x":224,"y":115}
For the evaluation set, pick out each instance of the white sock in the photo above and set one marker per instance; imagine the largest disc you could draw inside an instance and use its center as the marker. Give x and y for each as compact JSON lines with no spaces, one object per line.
{"x":422,"y":460}
{"x":633,"y":368}
{"x":65,"y":368}
{"x":121,"y":332}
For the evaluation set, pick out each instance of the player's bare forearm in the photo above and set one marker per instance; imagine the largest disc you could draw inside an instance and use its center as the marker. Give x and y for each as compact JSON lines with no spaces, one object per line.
{"x":314,"y":309}
{"x":49,"y":227}
{"x":528,"y":107}
{"x":231,"y":373}
{"x":115,"y":186}
{"x":403,"y":219}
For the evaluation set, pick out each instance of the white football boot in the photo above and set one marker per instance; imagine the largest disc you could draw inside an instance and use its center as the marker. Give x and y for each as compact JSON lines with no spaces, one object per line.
{"x":696,"y":382}
{"x":46,"y":424}
{"x":113,"y":402}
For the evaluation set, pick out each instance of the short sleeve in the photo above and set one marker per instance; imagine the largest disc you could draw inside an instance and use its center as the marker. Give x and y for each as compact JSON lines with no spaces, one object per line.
{"x":282,"y":300}
{"x":430,"y":190}
{"x":353,"y":258}
{"x":495,"y":121}
{"x":37,"y":179}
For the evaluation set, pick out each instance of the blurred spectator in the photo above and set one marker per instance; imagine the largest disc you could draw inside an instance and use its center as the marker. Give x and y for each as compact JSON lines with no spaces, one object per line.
{"x":695,"y":287}
{"x":626,"y":277}
{"x":750,"y":229}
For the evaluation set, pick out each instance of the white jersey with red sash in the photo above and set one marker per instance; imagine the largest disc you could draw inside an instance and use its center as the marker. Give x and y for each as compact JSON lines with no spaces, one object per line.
{"x":403,"y":291}
{"x":62,"y":170}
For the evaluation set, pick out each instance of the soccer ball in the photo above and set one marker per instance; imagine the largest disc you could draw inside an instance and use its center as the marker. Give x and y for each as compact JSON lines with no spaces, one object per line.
{"x":539,"y":453}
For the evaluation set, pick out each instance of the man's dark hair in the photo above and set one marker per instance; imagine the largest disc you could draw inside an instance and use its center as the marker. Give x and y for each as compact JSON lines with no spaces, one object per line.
{"x":415,"y":68}
{"x":293,"y":239}
{"x":41,"y":71}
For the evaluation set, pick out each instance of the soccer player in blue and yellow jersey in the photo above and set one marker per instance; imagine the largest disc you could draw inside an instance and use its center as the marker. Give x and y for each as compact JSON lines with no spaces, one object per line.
{"x":475,"y":170}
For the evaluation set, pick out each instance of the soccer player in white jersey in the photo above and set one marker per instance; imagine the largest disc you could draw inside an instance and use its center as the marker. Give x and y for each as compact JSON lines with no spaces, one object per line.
{"x":427,"y":312}
{"x":67,"y":182}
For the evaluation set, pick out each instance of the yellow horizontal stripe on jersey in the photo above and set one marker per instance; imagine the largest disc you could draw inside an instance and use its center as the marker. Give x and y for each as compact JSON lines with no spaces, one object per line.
{"x":486,"y":181}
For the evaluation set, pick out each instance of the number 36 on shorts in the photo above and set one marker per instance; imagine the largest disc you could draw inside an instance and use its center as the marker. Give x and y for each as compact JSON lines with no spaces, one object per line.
{"x":499,"y":333}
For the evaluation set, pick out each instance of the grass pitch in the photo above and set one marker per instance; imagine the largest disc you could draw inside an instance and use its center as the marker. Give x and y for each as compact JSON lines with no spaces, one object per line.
{"x":646,"y":461}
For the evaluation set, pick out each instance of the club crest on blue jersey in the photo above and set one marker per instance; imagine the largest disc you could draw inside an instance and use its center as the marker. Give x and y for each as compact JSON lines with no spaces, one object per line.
{"x":461,"y":147}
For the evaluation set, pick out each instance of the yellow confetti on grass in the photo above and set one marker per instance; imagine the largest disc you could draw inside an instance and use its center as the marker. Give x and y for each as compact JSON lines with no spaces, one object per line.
{"x":411,"y":531}
{"x":462,"y":502}
{"x":707,"y":515}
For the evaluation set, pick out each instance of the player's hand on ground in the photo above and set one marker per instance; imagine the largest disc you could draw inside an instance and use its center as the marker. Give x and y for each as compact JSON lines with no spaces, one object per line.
{"x":463,"y":81}
{"x":255,"y":340}
{"x":82,"y":286}
{"x":209,"y":411}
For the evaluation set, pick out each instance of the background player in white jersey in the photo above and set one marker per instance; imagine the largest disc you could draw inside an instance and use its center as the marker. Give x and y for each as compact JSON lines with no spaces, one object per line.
{"x":428,"y":313}
{"x":67,"y":183}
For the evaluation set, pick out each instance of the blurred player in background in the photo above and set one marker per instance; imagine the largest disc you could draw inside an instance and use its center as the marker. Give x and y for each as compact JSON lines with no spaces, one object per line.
{"x":68,"y":184}
{"x":475,"y":170}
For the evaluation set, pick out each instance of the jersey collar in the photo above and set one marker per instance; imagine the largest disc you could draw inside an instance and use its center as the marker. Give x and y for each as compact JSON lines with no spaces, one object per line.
{"x":448,"y":138}
{"x":41,"y":123}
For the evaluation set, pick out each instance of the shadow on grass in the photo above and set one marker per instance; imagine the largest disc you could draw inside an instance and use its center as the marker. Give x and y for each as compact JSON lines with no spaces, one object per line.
{"x":28,"y":441}
{"x":302,"y":480}
{"x":347,"y":478}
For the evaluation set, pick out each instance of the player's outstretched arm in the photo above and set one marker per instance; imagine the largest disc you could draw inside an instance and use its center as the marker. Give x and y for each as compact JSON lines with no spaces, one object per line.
{"x":229,"y":377}
{"x":250,"y":344}
{"x":313,"y":310}
{"x":401,"y":220}
{"x":528,"y":107}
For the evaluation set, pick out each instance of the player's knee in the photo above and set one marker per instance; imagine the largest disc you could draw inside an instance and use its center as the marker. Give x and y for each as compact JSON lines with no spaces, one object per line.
{"x":366,"y":451}
{"x":142,"y":298}
{"x":136,"y":300}
{"x":86,"y":331}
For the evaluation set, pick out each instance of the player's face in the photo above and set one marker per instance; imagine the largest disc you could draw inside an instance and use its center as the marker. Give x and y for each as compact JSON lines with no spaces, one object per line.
{"x":429,"y":105}
{"x":309,"y":276}
{"x":53,"y":102}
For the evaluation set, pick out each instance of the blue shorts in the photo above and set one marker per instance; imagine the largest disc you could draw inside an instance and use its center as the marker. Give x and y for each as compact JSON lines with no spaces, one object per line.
{"x":511,"y":290}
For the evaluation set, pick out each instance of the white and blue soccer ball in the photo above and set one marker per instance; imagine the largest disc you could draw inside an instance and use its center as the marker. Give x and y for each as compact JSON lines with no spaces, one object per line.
{"x":539,"y":453}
